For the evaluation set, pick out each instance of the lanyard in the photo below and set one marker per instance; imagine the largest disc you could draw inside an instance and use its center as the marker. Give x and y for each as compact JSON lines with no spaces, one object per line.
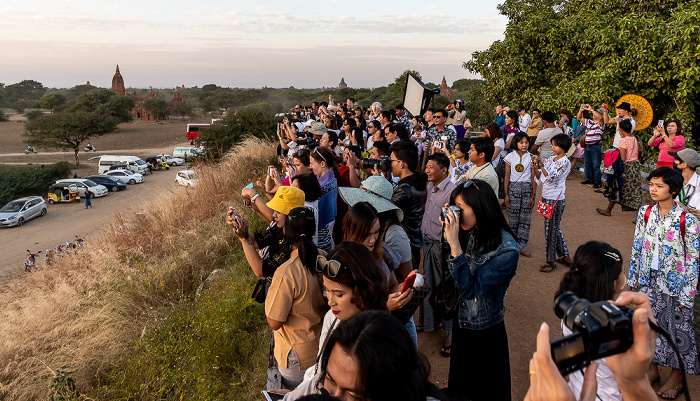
{"x":686,"y":194}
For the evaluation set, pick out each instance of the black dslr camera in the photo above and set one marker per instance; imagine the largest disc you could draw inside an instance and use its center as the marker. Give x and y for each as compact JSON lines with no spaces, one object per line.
{"x":383,"y":163}
{"x":600,"y":329}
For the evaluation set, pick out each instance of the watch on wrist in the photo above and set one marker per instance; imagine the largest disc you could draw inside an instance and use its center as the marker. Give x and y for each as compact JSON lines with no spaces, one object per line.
{"x":256,"y":196}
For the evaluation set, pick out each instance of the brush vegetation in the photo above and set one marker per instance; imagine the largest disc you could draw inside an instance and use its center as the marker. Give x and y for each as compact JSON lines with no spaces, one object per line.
{"x":119,"y":319}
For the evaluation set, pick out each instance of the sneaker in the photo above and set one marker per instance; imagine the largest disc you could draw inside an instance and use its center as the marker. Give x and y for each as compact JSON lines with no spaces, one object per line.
{"x":598,"y":185}
{"x":586,"y":182}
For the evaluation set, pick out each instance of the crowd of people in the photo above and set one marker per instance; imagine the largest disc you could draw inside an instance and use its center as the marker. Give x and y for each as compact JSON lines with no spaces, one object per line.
{"x":375,"y":216}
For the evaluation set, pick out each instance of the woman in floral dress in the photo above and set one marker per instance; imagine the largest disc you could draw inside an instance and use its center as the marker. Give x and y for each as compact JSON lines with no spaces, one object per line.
{"x":664,"y":265}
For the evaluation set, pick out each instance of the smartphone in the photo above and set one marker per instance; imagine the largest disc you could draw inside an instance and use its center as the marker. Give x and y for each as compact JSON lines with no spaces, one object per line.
{"x":661,"y":124}
{"x":272,"y":396}
{"x":234,"y":213}
{"x":270,"y":170}
{"x":408,"y":283}
{"x":249,"y":186}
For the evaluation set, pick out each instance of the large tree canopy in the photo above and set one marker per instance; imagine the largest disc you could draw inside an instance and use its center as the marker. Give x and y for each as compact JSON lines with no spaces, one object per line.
{"x":568,"y":52}
{"x":67,"y":130}
{"x":106,"y":102}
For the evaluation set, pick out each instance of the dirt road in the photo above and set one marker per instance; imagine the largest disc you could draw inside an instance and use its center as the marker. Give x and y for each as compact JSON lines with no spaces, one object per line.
{"x":64,"y":221}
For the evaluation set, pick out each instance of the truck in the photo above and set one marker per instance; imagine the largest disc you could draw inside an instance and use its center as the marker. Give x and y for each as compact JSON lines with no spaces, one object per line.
{"x":193,"y":131}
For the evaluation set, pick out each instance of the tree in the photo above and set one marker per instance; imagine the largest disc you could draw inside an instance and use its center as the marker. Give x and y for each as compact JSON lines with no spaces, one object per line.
{"x":106,"y":102}
{"x":67,"y":130}
{"x":33,"y":114}
{"x":398,"y":88}
{"x":52,"y":101}
{"x":157,"y":107}
{"x":181,"y":109}
{"x":23,"y":94}
{"x":567,"y":52}
{"x":251,"y":121}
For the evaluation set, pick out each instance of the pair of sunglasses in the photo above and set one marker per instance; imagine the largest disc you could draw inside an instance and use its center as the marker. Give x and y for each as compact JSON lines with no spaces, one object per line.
{"x":467,"y":183}
{"x":329,"y":266}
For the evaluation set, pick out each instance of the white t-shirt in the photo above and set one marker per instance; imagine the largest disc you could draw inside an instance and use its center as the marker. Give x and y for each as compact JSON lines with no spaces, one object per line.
{"x":512,"y":160}
{"x":616,"y":141}
{"x":524,"y":122}
{"x":554,"y":184}
{"x":461,"y":169}
{"x":505,"y":152}
{"x":500,"y":143}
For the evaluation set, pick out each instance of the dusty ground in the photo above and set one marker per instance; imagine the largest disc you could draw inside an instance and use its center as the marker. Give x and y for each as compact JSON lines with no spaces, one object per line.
{"x":530,"y":296}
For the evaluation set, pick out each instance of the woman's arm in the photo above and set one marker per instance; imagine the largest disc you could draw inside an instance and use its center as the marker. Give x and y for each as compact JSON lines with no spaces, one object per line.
{"x":637,"y":246}
{"x":496,"y":153}
{"x":506,"y":184}
{"x":623,"y":154}
{"x":657,"y":134}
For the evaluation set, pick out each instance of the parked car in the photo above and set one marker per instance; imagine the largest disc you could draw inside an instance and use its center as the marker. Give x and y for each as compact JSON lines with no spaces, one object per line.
{"x":173,"y":161}
{"x":19,"y":211}
{"x":111,"y":183}
{"x":61,"y":192}
{"x":127,"y":177}
{"x":84,"y":186}
{"x":186,"y":178}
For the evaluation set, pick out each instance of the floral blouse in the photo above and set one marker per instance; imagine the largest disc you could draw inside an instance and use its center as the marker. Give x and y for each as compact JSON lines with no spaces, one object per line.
{"x":678,"y":269}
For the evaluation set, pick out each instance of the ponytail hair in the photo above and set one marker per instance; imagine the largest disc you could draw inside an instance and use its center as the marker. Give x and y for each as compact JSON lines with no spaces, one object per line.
{"x":299,"y":229}
{"x":592,"y":275}
{"x":633,"y":112}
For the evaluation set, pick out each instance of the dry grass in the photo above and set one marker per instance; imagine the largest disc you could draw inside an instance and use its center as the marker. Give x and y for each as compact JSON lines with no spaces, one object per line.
{"x":88,"y":310}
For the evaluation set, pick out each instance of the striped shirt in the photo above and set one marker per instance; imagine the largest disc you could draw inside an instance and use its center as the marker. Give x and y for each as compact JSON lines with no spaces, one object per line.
{"x":594,"y":131}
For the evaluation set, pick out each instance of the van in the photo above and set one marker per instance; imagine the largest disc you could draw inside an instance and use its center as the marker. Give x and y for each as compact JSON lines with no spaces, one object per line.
{"x":134,"y":163}
{"x":184,"y":153}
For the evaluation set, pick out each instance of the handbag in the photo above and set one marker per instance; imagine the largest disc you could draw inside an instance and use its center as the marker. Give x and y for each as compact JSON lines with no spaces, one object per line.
{"x":445,"y":297}
{"x":405,"y":313}
{"x":545,"y":209}
{"x":260,"y":291}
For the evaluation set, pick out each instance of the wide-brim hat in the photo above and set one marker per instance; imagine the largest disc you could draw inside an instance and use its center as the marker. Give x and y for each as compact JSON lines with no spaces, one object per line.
{"x":286,"y":199}
{"x":377,"y":191}
{"x":572,"y":149}
{"x":318,"y":129}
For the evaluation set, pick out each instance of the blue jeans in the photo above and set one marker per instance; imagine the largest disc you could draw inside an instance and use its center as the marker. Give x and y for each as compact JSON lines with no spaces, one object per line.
{"x":591,"y":162}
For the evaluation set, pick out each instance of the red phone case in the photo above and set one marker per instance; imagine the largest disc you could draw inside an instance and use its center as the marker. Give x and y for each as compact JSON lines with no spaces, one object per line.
{"x":408,"y":283}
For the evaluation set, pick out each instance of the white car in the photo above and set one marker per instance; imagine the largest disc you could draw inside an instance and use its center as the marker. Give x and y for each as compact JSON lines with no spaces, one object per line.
{"x":17,"y":212}
{"x":127,"y":177}
{"x":96,"y":190}
{"x":173,"y":161}
{"x":186,"y":178}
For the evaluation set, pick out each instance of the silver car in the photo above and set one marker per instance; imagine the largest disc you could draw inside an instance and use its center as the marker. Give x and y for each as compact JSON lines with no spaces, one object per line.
{"x":17,"y":212}
{"x":127,"y":177}
{"x":173,"y":161}
{"x":84,"y":185}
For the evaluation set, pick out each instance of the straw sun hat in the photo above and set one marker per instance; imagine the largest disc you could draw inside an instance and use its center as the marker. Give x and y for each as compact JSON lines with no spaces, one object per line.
{"x":376,"y":190}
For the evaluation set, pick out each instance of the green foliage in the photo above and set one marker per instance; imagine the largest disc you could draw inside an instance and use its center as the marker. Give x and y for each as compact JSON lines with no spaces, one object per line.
{"x":479,"y":109}
{"x":182,"y":109}
{"x":22,"y":95}
{"x":398,"y":88}
{"x":214,"y":347}
{"x":33,"y":114}
{"x":105,"y":102}
{"x":3,"y":116}
{"x":157,"y":107}
{"x":565,"y":53}
{"x":257,"y":121}
{"x":18,"y":181}
{"x":63,"y":386}
{"x":67,"y":130}
{"x":52,"y":101}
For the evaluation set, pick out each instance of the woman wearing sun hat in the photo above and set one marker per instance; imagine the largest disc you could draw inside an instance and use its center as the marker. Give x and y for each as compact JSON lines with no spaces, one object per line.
{"x":273,"y":250}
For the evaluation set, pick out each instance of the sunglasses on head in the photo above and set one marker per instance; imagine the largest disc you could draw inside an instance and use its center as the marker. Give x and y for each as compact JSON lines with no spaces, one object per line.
{"x":329,"y":266}
{"x":319,"y":153}
{"x":467,"y":183}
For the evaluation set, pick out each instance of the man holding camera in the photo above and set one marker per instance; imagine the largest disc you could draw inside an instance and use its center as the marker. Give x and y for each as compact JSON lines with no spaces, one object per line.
{"x":409,"y":194}
{"x":438,"y":190}
{"x":440,"y":129}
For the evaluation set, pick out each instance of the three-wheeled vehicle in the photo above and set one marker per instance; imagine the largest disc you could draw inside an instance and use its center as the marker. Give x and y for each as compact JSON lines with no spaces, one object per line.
{"x":158,"y":163}
{"x":63,"y":192}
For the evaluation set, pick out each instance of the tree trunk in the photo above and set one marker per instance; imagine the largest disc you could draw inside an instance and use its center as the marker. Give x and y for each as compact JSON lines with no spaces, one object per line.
{"x":77,"y":159}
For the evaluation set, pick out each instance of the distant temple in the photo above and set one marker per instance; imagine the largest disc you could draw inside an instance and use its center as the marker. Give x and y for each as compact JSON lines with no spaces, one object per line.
{"x":342,"y":84}
{"x":445,"y":90}
{"x":139,"y":111}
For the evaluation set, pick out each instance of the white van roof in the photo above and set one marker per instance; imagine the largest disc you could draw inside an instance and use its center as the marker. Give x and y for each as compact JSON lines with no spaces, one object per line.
{"x":116,"y":158}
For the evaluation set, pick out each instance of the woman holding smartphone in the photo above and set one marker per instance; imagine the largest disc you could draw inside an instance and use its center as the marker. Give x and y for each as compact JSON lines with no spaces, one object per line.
{"x":483,"y":258}
{"x":670,"y":139}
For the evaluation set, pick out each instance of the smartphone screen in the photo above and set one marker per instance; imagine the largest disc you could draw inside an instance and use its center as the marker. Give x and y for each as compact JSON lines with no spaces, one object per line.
{"x":272,"y":396}
{"x":661,"y":123}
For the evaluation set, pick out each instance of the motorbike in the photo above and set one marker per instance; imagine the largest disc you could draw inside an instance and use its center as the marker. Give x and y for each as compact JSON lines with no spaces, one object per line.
{"x":79,"y":242}
{"x":89,"y":148}
{"x":49,"y":256}
{"x":59,"y":250}
{"x":31,"y":261}
{"x":30,"y":149}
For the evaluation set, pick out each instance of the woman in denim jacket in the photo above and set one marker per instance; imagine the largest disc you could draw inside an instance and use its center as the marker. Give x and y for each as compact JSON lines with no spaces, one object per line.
{"x":483,"y":259}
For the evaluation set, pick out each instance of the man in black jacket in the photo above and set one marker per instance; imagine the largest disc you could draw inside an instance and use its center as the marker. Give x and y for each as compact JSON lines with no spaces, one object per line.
{"x":409,"y":194}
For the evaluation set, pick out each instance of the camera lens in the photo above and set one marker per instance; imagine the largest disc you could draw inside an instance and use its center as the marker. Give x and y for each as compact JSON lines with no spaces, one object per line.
{"x":568,"y":306}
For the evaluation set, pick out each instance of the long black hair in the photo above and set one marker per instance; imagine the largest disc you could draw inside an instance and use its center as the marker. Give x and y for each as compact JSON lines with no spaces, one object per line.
{"x":299,"y":229}
{"x":389,"y":367}
{"x":596,"y":267}
{"x":490,"y":221}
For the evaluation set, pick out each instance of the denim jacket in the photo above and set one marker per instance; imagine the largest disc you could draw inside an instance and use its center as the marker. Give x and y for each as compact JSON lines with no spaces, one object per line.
{"x":482,"y":281}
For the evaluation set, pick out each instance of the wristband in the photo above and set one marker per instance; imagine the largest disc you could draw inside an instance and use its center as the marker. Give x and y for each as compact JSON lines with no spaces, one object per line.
{"x":256,"y":196}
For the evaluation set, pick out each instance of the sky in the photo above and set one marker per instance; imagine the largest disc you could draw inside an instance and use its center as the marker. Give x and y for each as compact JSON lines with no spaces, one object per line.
{"x":305,"y":44}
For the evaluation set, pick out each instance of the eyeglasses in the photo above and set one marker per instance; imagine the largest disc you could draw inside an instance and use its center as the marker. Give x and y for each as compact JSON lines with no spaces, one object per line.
{"x":434,"y":116}
{"x":467,"y":183}
{"x":329,"y":266}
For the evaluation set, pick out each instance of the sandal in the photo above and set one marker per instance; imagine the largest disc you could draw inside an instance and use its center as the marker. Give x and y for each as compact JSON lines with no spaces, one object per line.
{"x":562,"y":261}
{"x":603,"y":212}
{"x":446,"y":350}
{"x":548,"y":267}
{"x":419,"y":329}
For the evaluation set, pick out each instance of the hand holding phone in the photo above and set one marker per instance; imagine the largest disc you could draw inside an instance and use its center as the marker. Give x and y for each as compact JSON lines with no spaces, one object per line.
{"x":660,"y":124}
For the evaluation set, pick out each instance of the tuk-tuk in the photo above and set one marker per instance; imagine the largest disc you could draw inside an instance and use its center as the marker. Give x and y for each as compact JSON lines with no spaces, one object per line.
{"x":158,"y":163}
{"x":63,"y":192}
